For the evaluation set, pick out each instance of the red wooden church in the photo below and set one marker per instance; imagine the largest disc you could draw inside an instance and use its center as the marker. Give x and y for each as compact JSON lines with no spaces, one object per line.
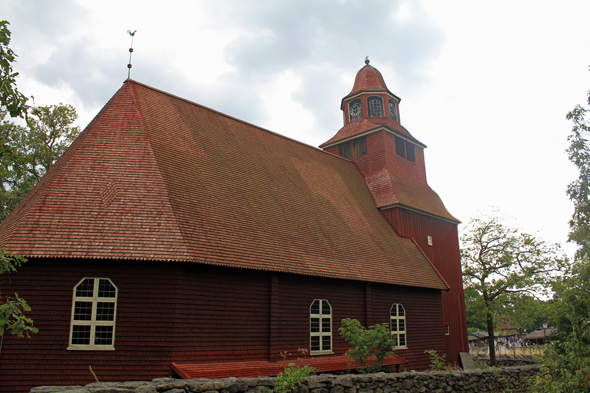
{"x":171,"y":239}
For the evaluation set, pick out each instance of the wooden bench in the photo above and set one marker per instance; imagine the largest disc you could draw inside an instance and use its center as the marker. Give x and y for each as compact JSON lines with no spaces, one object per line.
{"x":270,"y":369}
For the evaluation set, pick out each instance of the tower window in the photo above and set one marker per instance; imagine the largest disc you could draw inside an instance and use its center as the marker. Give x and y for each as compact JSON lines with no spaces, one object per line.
{"x":360,"y":147}
{"x":400,"y":148}
{"x":355,"y":110}
{"x":344,"y":150}
{"x":392,"y":110}
{"x":375,"y":106}
{"x":405,"y":149}
{"x":410,"y":151}
{"x":357,"y":148}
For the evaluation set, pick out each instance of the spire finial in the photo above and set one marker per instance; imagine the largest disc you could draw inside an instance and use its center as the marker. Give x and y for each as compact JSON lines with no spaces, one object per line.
{"x":367,"y":61}
{"x":131,"y":33}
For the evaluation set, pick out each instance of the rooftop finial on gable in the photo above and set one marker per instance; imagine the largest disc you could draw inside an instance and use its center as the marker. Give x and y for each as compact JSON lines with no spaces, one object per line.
{"x":367,"y":61}
{"x":131,"y":33}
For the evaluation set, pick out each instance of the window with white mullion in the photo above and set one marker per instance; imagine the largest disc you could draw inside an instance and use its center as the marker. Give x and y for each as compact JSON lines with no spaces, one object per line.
{"x":320,"y":327}
{"x":398,"y":325}
{"x":94,"y":309}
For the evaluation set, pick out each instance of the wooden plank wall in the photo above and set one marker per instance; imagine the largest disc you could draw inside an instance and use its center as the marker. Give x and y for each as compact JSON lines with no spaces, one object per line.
{"x":181,"y":312}
{"x":445,"y":256}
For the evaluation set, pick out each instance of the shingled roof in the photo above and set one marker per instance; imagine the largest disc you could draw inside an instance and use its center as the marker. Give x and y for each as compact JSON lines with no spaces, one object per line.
{"x":157,"y":177}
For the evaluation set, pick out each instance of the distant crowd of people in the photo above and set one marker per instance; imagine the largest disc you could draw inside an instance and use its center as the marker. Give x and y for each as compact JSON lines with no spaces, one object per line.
{"x":507,"y":342}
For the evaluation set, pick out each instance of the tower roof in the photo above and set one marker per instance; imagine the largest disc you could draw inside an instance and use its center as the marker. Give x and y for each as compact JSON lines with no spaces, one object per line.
{"x":368,"y":79}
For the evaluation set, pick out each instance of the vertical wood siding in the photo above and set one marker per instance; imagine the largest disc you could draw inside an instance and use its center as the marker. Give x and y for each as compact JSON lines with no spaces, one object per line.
{"x":445,"y":256}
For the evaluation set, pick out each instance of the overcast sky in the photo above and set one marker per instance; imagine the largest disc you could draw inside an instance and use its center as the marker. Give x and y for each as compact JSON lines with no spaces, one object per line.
{"x":485,"y":85}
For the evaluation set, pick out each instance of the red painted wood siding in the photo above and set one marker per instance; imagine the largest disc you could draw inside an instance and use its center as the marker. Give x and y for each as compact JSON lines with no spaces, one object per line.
{"x":177,"y":312}
{"x":445,"y":256}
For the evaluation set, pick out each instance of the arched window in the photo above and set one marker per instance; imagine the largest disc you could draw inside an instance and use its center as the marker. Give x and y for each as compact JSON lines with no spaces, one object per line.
{"x":375,"y":106}
{"x":392,"y":110}
{"x":94,"y":310}
{"x":398,"y":325}
{"x":355,"y":110}
{"x":320,"y":327}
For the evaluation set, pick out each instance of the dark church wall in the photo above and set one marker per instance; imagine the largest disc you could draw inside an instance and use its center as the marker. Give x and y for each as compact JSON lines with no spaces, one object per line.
{"x":143,"y":319}
{"x":182,"y":312}
{"x":445,"y":256}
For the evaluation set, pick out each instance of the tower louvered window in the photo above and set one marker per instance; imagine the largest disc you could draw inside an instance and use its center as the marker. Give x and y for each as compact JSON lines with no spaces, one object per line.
{"x":94,"y":310}
{"x":375,"y":106}
{"x":398,"y":325}
{"x":392,"y":110}
{"x":320,"y":327}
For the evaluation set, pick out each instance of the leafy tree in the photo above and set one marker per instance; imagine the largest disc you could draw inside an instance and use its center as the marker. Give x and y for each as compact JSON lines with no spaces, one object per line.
{"x":501,"y":264}
{"x":579,"y":190}
{"x":566,"y":364}
{"x":370,"y":346}
{"x":11,"y":100}
{"x":12,"y":317}
{"x":48,"y":134}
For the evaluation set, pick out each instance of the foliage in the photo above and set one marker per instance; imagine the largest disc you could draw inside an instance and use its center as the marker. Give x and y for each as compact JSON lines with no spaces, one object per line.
{"x":579,"y":190}
{"x":12,"y":317}
{"x":501,"y":265}
{"x":566,"y":363}
{"x":11,"y":100}
{"x":289,"y":380}
{"x":370,"y":346}
{"x":35,"y":148}
{"x":437,"y":362}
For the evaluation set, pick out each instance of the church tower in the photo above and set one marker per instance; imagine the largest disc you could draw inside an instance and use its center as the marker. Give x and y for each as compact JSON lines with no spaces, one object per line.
{"x":392,"y":162}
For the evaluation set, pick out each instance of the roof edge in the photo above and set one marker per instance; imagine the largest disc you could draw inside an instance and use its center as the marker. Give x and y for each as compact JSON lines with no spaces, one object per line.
{"x":432,"y":265}
{"x":456,"y":221}
{"x":326,"y":145}
{"x":231,"y":266}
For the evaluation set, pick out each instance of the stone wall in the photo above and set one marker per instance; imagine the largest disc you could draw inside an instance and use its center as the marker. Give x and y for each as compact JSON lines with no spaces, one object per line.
{"x":513,"y":379}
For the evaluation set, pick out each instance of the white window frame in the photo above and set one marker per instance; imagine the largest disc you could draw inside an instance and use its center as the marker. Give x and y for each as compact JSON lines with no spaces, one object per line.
{"x":319,"y":332}
{"x":93,"y":322}
{"x":398,"y":325}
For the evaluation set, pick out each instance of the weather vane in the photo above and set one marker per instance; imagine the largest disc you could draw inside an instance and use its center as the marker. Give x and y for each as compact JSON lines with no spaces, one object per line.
{"x":131,"y":33}
{"x":367,"y":60}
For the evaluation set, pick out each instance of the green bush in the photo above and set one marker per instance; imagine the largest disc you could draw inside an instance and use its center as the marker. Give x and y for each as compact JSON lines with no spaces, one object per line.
{"x":370,"y":346}
{"x":437,"y":362}
{"x":289,"y":380}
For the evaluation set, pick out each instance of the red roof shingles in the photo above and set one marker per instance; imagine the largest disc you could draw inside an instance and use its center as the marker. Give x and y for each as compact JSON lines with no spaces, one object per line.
{"x":161,"y":178}
{"x":368,"y":79}
{"x":391,"y":190}
{"x":365,"y":125}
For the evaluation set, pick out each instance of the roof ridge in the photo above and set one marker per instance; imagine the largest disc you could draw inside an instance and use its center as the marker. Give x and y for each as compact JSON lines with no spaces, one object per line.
{"x":224,"y":114}
{"x":144,"y":128}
